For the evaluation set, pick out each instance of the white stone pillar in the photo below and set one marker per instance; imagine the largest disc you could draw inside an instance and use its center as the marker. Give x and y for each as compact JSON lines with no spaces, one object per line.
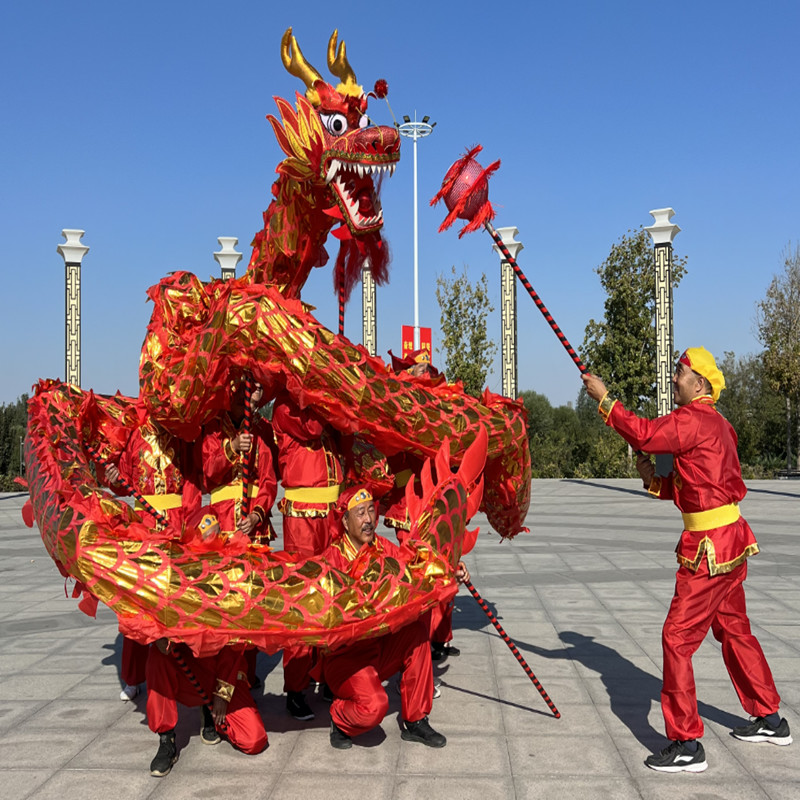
{"x":369,"y":310}
{"x":72,"y":251}
{"x":663,"y":232}
{"x":508,"y":311}
{"x":227,"y":257}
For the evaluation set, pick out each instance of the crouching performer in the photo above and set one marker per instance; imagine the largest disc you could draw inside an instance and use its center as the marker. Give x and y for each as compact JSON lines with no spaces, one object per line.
{"x":355,"y":673}
{"x":223,"y":678}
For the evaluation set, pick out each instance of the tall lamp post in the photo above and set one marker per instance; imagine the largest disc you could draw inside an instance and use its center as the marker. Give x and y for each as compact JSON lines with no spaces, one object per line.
{"x":227,"y":257}
{"x":508,"y":311}
{"x":414,"y":131}
{"x":72,"y":251}
{"x":662,"y":231}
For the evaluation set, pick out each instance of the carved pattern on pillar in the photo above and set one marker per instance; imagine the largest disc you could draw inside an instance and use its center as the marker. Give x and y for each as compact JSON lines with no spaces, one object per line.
{"x":508,"y":317}
{"x":664,"y":335}
{"x":73,"y":324}
{"x":369,"y":311}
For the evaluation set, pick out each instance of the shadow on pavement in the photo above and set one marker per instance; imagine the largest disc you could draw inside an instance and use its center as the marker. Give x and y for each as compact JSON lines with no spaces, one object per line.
{"x":751,"y":490}
{"x":631,"y":690}
{"x":607,"y":487}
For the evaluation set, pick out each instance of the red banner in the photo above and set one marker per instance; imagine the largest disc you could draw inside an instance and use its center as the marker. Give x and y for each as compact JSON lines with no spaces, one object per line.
{"x":425,"y":340}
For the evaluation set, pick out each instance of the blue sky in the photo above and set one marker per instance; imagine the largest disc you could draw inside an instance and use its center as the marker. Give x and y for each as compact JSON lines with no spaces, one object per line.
{"x":144,"y":124}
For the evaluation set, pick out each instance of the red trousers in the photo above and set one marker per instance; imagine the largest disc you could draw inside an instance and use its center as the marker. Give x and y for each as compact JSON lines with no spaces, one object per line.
{"x":702,"y":602}
{"x":355,"y":675}
{"x":134,"y":661}
{"x":442,"y":622}
{"x":167,"y":685}
{"x":305,"y":536}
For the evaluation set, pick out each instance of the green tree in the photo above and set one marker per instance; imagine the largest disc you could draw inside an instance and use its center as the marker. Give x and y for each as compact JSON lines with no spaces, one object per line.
{"x":756,"y":413}
{"x":465,"y":343}
{"x":567,"y":442}
{"x":13,"y":424}
{"x":778,"y":329}
{"x":621,"y":347}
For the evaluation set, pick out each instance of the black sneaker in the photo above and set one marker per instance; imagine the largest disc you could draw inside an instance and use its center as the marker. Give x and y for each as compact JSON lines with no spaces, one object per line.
{"x":759,"y":730}
{"x":678,"y":758}
{"x":327,"y":693}
{"x":339,"y":739}
{"x":296,"y":705}
{"x":422,"y":732}
{"x":166,"y":756}
{"x":441,"y":650}
{"x":208,"y":733}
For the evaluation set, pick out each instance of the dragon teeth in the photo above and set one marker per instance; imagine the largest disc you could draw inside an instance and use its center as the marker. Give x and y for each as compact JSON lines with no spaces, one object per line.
{"x":356,"y":168}
{"x":332,"y":170}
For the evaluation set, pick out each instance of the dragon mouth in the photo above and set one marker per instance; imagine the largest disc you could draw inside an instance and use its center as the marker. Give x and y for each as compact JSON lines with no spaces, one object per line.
{"x":355,"y":189}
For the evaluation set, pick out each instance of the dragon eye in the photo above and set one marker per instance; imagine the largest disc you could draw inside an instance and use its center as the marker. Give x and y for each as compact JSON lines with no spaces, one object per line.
{"x":335,"y":124}
{"x":363,"y":121}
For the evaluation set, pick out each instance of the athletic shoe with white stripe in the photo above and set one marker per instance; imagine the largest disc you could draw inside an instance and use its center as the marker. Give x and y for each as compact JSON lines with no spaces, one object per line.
{"x":678,"y":758}
{"x":759,"y":730}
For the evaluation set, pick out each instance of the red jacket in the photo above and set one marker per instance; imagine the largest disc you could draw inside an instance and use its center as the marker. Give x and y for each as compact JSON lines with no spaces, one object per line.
{"x":161,"y":467}
{"x":342,"y":554}
{"x":308,"y":456}
{"x":223,"y":472}
{"x":706,"y":482}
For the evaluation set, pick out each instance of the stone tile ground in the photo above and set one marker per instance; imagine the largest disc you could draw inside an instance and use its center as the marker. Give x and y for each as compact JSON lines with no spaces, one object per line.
{"x":583,"y":595}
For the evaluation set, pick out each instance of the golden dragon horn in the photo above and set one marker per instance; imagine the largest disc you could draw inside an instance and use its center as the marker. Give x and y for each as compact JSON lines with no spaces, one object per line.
{"x":339,"y":65}
{"x":295,"y":62}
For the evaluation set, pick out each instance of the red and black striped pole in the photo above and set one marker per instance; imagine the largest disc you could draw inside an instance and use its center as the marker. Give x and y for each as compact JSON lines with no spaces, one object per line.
{"x":536,"y":299}
{"x":505,"y":637}
{"x":247,"y":461}
{"x":132,"y":491}
{"x":341,"y":304}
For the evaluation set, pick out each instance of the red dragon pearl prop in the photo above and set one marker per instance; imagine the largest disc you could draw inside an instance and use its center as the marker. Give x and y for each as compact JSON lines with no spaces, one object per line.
{"x":465,"y":191}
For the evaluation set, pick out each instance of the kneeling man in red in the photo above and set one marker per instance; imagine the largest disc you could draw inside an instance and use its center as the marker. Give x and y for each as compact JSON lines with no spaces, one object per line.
{"x":223,"y":678}
{"x":355,"y":673}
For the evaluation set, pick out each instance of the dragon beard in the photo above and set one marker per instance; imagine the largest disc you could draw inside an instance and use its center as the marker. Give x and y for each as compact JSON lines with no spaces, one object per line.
{"x":354,"y":254}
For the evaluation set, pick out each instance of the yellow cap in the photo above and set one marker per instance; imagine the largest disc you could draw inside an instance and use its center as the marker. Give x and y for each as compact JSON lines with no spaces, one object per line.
{"x":361,"y":495}
{"x":702,"y":362}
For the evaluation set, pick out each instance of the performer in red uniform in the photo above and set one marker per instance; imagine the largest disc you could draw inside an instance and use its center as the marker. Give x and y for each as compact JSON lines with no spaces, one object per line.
{"x":355,"y":673}
{"x":405,"y":466}
{"x":311,"y":474}
{"x":225,"y":450}
{"x":223,"y":679}
{"x":706,"y":485}
{"x":161,"y":468}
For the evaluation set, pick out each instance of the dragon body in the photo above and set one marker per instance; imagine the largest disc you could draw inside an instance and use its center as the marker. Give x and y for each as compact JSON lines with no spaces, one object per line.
{"x":203,"y":335}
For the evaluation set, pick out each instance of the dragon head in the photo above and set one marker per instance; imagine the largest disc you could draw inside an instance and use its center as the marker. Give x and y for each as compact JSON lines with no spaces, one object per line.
{"x":329,"y":140}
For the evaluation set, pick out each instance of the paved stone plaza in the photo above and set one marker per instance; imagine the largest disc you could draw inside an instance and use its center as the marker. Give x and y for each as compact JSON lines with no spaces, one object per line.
{"x":583,"y":595}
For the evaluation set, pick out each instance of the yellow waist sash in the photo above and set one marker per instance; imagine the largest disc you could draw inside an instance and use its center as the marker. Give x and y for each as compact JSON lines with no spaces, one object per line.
{"x":313,"y":494}
{"x":160,"y":502}
{"x":232,"y":491}
{"x":713,"y":518}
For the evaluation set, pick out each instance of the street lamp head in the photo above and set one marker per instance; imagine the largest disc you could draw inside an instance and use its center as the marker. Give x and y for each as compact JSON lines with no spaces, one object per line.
{"x":228,"y":257}
{"x":662,"y":231}
{"x":72,"y":251}
{"x":406,"y":118}
{"x":507,"y":235}
{"x":416,"y":129}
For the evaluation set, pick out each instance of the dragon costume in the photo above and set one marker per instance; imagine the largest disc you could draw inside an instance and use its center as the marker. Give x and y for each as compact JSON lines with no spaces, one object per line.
{"x":203,"y":335}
